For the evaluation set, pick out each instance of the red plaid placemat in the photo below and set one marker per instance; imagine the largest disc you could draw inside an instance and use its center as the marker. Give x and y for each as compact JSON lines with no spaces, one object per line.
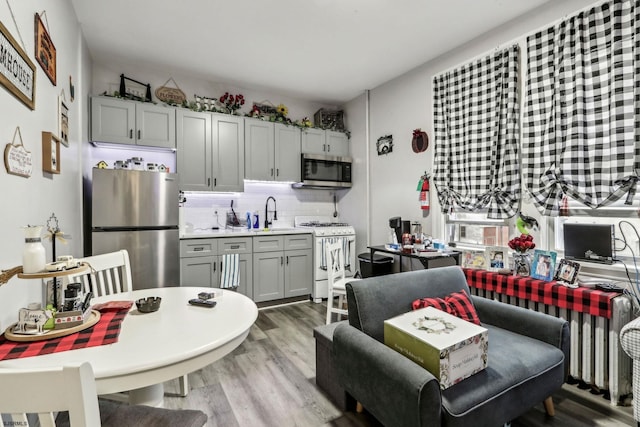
{"x":584,"y":300}
{"x":106,"y":331}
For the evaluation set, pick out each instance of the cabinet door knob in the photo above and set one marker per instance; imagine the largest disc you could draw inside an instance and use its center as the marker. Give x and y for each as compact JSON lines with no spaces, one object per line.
{"x":278,"y":172}
{"x":139,"y":134}
{"x":281,"y":260}
{"x":328,"y":147}
{"x":130,"y":133}
{"x":271,"y":171}
{"x":208,"y":182}
{"x":287,"y":259}
{"x":214,"y":267}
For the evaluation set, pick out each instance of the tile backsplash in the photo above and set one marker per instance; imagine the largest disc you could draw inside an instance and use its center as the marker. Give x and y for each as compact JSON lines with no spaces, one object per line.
{"x":199,"y":210}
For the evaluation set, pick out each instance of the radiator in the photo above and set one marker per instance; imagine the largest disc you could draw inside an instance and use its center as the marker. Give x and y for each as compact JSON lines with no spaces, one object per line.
{"x":596,"y":355}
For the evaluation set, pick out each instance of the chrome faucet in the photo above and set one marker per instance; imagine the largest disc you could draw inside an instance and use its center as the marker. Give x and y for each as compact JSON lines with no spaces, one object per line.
{"x":267,"y":223}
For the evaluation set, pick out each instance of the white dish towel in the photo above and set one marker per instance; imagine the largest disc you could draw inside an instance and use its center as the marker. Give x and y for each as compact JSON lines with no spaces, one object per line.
{"x":229,"y":276}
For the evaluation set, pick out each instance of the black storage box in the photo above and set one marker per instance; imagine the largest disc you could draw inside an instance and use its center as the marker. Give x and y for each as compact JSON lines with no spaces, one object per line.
{"x":380,"y":266}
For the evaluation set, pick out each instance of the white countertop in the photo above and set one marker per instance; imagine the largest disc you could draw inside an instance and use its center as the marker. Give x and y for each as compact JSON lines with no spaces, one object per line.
{"x":241,"y":232}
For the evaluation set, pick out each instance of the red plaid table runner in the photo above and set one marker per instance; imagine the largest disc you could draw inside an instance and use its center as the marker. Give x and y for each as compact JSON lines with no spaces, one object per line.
{"x":584,"y":300}
{"x":106,"y":331}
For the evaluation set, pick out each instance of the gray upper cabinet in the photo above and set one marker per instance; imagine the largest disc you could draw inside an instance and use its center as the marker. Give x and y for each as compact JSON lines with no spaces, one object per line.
{"x":272,"y":151}
{"x":228,"y":152}
{"x":337,"y":143}
{"x":319,"y":141}
{"x":259,"y":150}
{"x":135,"y":123}
{"x":287,"y":153}
{"x":210,"y":155}
{"x":194,"y":150}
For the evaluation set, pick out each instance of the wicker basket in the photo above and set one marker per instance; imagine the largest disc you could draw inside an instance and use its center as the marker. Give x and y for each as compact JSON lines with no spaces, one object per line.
{"x":328,"y":119}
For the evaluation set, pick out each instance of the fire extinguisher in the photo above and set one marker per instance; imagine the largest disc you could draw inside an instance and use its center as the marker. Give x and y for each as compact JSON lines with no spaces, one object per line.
{"x":423,"y":188}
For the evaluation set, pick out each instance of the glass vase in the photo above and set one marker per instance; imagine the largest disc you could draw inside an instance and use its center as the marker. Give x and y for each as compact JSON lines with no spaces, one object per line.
{"x":521,"y":264}
{"x":33,"y":253}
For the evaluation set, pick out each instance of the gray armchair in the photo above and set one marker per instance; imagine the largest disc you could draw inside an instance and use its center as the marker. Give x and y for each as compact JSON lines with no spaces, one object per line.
{"x":527,"y":358}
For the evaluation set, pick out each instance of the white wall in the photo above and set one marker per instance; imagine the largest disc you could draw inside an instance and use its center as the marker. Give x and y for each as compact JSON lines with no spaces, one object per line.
{"x":106,"y":77}
{"x":405,"y":103}
{"x":33,"y":200}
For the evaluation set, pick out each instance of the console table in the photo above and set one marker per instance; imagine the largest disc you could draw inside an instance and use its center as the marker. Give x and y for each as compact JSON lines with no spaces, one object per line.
{"x":428,"y":259}
{"x":595,"y":318}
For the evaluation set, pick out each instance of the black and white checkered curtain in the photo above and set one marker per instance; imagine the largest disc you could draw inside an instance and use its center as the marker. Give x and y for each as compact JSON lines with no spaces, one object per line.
{"x":476,"y":135}
{"x":580,"y":133}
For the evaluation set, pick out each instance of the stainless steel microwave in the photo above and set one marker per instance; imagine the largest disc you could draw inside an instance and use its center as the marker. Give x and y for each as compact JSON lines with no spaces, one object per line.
{"x":322,"y":171}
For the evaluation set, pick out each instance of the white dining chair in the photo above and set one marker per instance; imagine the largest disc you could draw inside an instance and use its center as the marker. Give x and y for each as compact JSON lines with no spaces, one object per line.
{"x":66,"y":396}
{"x":336,"y":279}
{"x":110,"y":274}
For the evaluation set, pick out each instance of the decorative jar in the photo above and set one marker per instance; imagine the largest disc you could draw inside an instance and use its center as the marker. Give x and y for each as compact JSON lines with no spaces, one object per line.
{"x":33,"y":254}
{"x":521,"y":264}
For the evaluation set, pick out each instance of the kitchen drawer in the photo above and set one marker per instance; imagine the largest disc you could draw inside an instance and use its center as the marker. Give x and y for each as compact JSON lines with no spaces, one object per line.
{"x":198,"y":247}
{"x":268,"y":243}
{"x":297,"y":241}
{"x":235,"y":245}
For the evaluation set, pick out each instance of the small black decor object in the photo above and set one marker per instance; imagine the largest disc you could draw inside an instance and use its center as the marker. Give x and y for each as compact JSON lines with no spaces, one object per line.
{"x":384,"y":144}
{"x":135,"y":90}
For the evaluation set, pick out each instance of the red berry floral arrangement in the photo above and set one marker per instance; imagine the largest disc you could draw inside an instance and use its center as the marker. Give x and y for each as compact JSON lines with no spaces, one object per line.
{"x":522,"y":243}
{"x":232,"y":103}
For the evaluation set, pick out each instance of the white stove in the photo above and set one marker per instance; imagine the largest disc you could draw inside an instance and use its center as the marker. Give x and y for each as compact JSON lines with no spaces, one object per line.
{"x":325,"y":230}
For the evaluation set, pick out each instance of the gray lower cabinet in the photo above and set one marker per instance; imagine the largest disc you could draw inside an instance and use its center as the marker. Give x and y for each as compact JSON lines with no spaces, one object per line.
{"x":271,"y":267}
{"x":282,"y":266}
{"x":201,"y":261}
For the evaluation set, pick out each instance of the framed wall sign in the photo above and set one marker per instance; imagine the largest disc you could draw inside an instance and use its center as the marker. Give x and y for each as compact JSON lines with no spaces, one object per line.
{"x":63,"y":121}
{"x":45,"y":50}
{"x":17,"y":72}
{"x":17,"y":160}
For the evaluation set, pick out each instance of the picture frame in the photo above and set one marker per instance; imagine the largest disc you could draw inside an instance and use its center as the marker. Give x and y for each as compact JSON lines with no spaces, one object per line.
{"x":475,"y":259}
{"x":543,"y":265}
{"x":497,"y":257}
{"x":567,"y":272}
{"x":50,"y":153}
{"x":63,"y":121}
{"x":134,"y":89}
{"x":23,"y":88}
{"x":45,"y":50}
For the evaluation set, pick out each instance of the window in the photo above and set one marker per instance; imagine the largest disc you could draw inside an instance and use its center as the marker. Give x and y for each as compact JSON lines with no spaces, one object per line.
{"x":473,"y":230}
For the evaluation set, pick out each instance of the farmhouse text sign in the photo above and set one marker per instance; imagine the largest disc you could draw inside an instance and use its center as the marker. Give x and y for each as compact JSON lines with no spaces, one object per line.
{"x":17,"y":72}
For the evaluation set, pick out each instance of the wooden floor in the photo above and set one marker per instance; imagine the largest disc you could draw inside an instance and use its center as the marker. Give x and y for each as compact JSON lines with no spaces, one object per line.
{"x":269,"y":380}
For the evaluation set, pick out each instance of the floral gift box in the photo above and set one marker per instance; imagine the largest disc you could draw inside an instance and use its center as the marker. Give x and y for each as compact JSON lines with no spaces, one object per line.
{"x":450,"y":348}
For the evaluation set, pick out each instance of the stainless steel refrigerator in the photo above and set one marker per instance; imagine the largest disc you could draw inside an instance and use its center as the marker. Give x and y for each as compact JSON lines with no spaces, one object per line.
{"x":138,"y":211}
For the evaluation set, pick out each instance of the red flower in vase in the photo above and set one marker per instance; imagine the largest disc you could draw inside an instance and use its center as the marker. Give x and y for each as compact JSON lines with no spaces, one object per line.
{"x":522,"y":243}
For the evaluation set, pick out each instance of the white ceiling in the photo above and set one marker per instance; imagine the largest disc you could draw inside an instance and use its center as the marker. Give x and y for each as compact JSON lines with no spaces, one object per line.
{"x":326,"y":51}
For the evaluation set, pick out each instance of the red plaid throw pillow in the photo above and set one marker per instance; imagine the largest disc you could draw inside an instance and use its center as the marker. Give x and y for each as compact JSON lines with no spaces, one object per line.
{"x":457,"y":304}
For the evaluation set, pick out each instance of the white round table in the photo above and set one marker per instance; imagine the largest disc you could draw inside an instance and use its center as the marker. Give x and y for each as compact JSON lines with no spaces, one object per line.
{"x":155,"y":347}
